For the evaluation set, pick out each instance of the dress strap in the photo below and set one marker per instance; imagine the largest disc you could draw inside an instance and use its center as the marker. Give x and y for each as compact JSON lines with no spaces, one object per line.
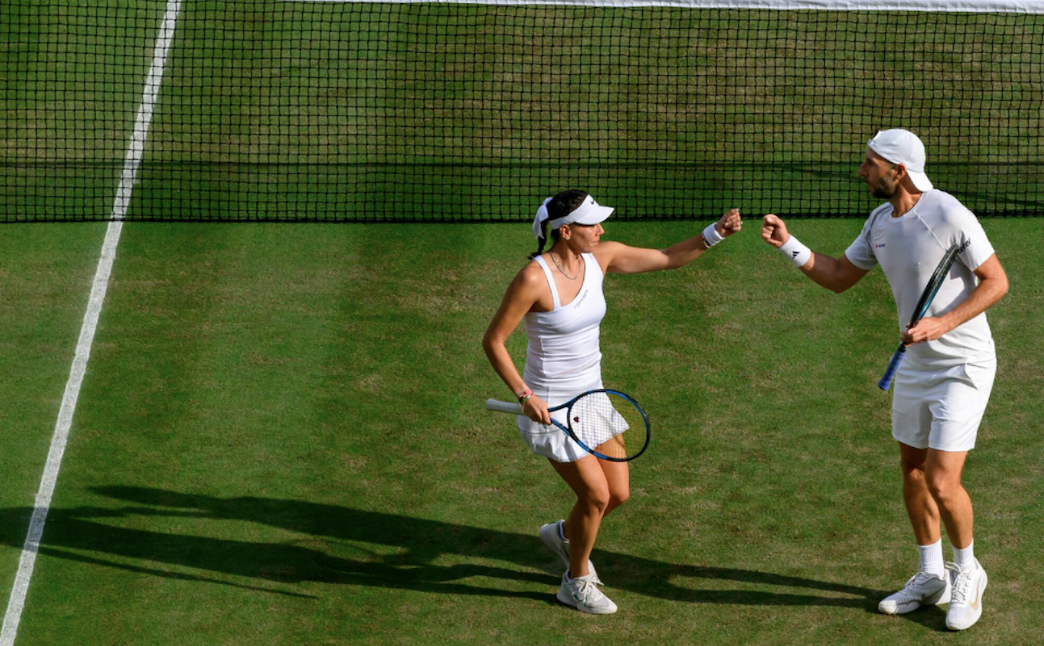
{"x":550,"y":280}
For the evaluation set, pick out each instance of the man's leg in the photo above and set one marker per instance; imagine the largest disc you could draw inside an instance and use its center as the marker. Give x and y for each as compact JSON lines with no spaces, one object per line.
{"x":930,"y":585}
{"x":967,"y":577}
{"x":942,"y":472}
{"x":921,"y":506}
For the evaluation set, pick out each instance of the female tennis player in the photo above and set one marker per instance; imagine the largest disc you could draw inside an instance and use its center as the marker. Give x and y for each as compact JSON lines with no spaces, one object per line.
{"x":559,"y":297}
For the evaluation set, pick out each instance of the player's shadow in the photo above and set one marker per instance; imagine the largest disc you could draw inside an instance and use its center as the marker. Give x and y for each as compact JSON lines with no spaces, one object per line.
{"x":341,"y":545}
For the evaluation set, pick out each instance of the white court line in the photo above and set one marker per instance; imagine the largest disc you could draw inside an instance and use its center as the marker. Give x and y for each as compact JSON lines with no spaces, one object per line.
{"x":90,"y":323}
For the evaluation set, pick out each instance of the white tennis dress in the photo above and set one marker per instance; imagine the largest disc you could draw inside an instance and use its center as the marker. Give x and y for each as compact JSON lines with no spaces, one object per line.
{"x":942,"y":386}
{"x":563,"y":358}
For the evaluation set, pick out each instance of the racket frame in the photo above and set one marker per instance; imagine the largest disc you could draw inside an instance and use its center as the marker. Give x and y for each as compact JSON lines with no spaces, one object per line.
{"x":508,"y":407}
{"x":927,"y":296}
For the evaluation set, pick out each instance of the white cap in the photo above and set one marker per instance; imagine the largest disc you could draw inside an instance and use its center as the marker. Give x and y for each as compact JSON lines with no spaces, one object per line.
{"x":589,"y":212}
{"x":903,"y":147}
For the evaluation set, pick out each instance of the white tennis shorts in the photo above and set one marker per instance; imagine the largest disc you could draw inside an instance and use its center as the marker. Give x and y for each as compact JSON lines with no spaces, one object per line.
{"x":551,"y":441}
{"x":940,"y":408}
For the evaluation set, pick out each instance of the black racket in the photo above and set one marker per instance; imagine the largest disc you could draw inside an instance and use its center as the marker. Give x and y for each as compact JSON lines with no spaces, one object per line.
{"x":597,"y":421}
{"x":927,"y":296}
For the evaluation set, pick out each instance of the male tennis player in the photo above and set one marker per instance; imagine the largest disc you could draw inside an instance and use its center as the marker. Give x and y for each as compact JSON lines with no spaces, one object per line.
{"x":943,"y":384}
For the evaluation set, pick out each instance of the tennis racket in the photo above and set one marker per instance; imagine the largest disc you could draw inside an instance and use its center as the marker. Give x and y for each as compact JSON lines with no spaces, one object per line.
{"x":596,"y":420}
{"x":927,"y":296}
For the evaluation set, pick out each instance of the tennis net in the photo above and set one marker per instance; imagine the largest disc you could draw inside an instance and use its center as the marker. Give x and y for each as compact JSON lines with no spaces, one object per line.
{"x":474,"y":112}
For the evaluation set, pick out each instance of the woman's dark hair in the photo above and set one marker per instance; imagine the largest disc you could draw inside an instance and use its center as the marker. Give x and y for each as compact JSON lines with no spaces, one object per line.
{"x":560,"y":206}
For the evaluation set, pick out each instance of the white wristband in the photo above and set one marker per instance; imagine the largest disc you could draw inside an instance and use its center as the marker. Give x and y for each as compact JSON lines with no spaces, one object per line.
{"x":711,"y":236}
{"x":798,"y":253}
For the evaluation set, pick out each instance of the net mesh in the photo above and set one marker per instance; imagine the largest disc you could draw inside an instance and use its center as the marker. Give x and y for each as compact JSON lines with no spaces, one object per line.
{"x":433,"y":112}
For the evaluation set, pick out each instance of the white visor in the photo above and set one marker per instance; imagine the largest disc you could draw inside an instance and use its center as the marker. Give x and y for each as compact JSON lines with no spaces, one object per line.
{"x":589,"y":212}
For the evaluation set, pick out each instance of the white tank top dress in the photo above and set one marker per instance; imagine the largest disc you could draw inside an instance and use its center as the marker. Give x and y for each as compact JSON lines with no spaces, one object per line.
{"x":563,"y":358}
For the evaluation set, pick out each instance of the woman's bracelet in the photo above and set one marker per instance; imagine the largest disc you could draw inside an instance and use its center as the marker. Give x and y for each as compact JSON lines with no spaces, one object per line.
{"x":524,"y":396}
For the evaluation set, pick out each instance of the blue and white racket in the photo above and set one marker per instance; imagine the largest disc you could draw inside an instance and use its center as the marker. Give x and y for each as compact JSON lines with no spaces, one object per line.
{"x":927,"y":296}
{"x":597,"y":421}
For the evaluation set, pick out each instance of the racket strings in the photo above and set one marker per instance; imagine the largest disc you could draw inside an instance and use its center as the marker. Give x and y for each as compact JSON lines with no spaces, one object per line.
{"x":600,"y":420}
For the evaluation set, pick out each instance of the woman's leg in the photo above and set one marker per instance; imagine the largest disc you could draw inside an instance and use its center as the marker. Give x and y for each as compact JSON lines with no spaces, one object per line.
{"x":600,"y":486}
{"x":618,"y":477}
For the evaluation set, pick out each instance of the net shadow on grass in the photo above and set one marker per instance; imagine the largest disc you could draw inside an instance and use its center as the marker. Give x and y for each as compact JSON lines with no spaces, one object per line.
{"x":404,"y":554}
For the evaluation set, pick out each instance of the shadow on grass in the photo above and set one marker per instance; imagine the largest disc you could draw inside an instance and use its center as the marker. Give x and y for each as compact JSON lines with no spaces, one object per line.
{"x":411,"y":563}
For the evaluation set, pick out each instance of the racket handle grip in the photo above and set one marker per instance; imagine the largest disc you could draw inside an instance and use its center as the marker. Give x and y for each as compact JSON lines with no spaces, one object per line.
{"x":503,"y":407}
{"x":893,"y":365}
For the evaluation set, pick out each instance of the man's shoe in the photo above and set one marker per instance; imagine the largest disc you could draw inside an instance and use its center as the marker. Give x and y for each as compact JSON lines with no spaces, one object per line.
{"x":922,"y":589}
{"x":966,"y":599}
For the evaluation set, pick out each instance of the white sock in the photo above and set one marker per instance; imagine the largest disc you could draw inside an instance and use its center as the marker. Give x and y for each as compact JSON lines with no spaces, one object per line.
{"x":932,"y":559}
{"x":964,"y":558}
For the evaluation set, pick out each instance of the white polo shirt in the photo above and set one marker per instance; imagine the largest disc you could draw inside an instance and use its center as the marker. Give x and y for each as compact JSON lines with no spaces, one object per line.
{"x":909,"y":248}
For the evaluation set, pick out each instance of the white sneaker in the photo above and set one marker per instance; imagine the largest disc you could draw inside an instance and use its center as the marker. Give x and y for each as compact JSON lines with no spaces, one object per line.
{"x":584,"y":595}
{"x":552,"y":537}
{"x":966,"y":600}
{"x":922,"y":589}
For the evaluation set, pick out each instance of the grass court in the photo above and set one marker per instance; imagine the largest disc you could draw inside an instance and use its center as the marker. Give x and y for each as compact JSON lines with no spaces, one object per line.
{"x":280,"y":438}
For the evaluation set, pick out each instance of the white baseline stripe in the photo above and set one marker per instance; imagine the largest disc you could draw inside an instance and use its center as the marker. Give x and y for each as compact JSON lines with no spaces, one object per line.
{"x":969,"y":6}
{"x":90,"y":323}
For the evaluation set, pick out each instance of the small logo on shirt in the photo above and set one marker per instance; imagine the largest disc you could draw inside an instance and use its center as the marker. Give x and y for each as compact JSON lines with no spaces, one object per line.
{"x":879,"y":245}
